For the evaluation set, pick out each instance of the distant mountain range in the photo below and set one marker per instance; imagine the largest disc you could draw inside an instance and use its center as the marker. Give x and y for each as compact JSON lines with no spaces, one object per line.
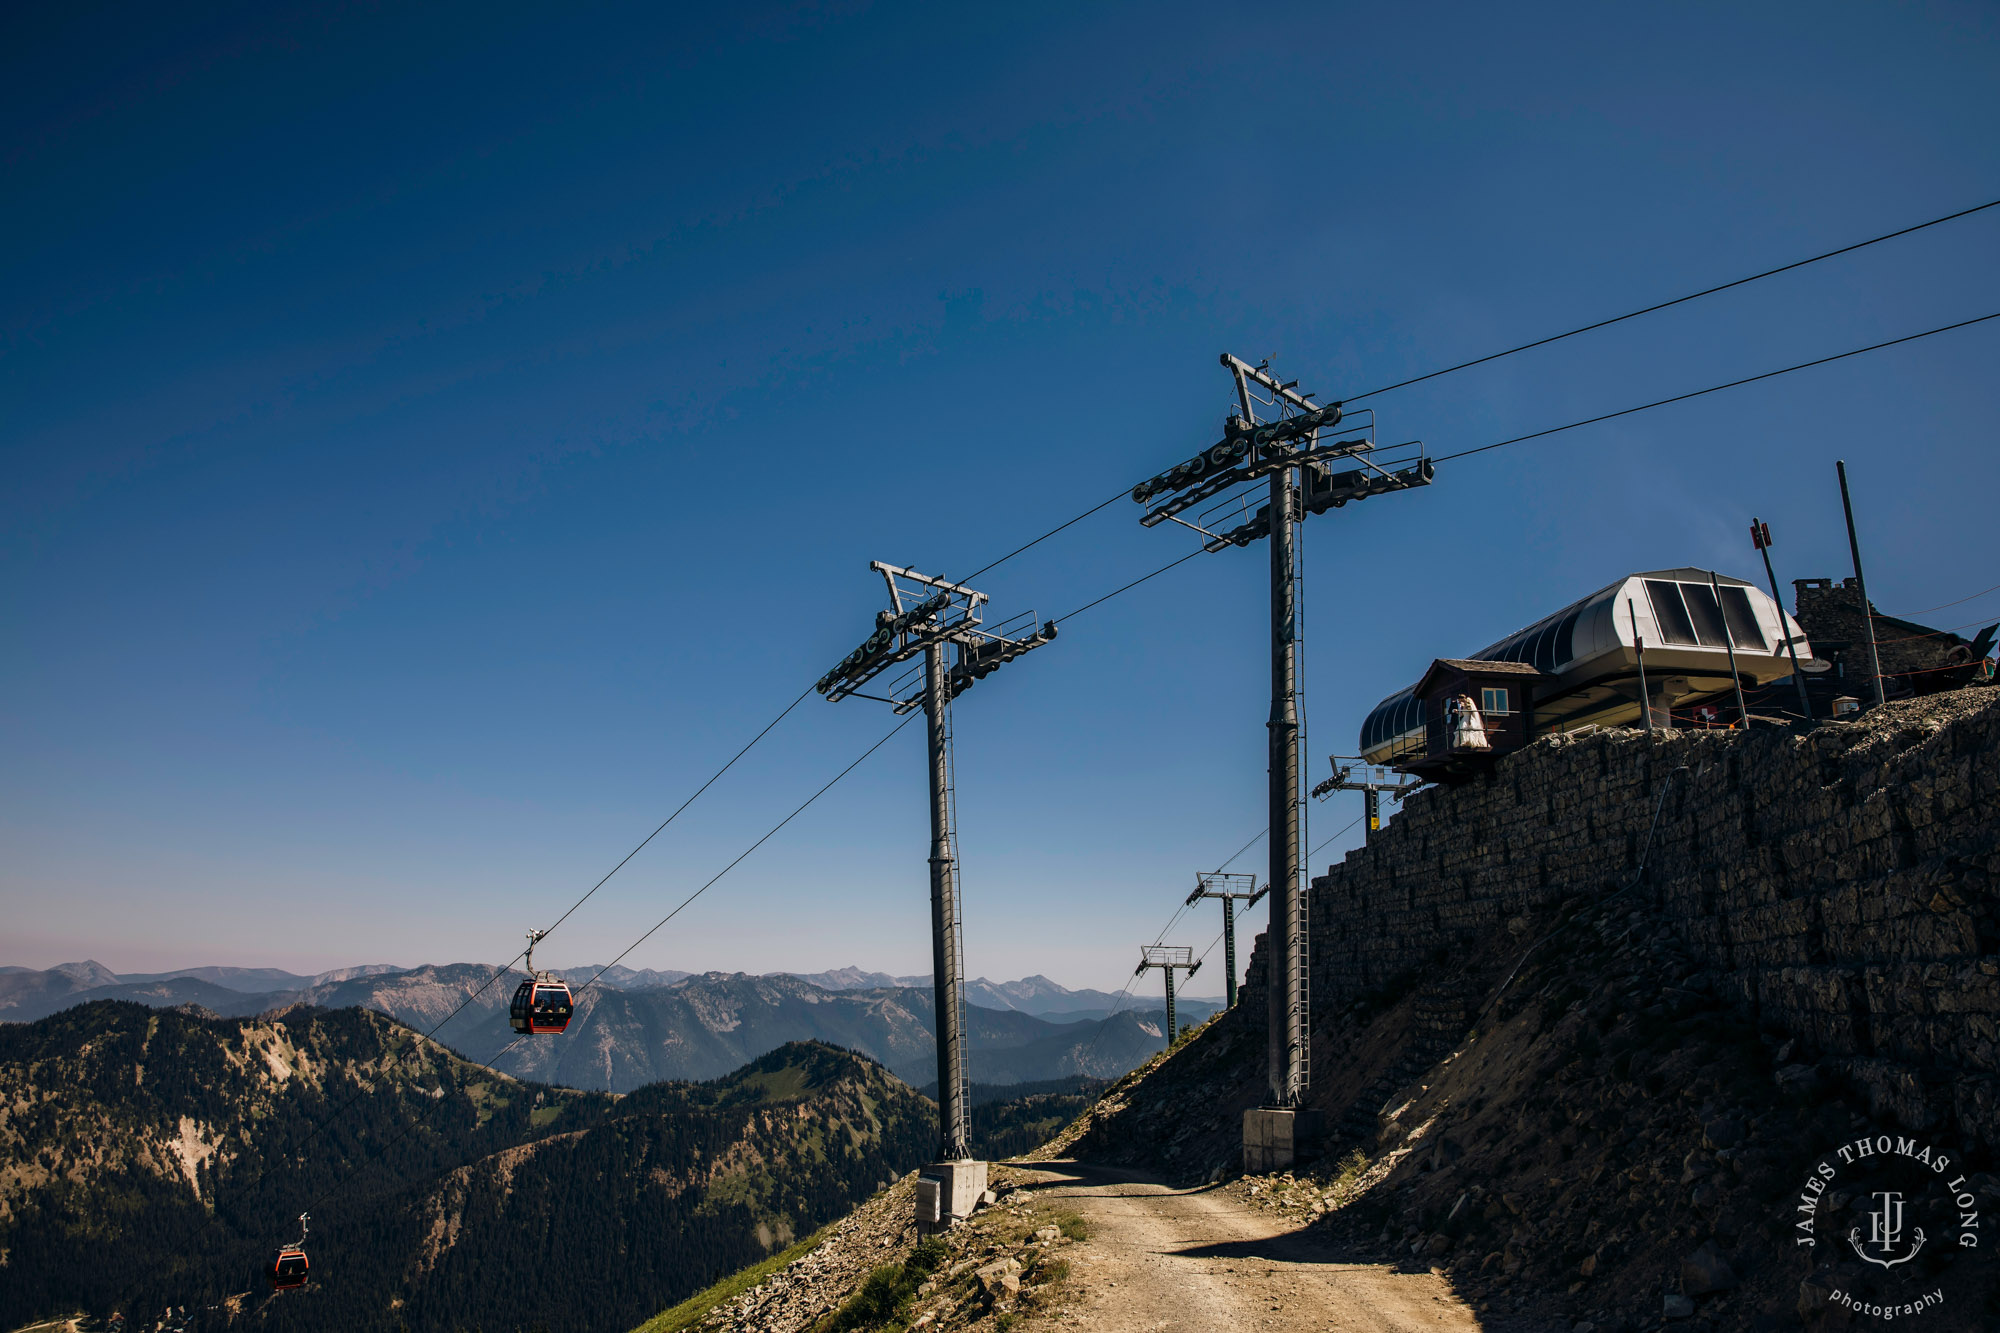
{"x":150,"y":1159}
{"x":637,"y":1027}
{"x":1030,"y":995}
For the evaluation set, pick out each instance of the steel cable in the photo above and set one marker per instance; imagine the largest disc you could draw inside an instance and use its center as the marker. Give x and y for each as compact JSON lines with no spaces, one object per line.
{"x":1717,"y":388}
{"x":1045,"y":536}
{"x":504,"y":968}
{"x":1678,"y":300}
{"x":771,"y":833}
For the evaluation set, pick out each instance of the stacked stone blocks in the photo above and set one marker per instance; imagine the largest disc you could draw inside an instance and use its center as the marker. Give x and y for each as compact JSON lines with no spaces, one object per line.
{"x":1839,"y":883}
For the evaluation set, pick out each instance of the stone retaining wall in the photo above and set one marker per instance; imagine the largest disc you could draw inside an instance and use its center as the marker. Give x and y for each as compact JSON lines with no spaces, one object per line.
{"x":1839,"y":883}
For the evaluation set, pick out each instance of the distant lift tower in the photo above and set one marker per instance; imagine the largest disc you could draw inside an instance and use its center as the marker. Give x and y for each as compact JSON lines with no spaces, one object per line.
{"x":927,"y":616}
{"x":1372,"y":781}
{"x":1231,"y":889}
{"x":1167,"y":957}
{"x":1308,"y":473}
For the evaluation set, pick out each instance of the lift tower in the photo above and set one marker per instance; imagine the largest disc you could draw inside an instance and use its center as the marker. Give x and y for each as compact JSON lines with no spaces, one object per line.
{"x":1371,"y":780}
{"x":1299,"y":464}
{"x":926,"y":616}
{"x":1230,"y":888}
{"x":1167,"y":957}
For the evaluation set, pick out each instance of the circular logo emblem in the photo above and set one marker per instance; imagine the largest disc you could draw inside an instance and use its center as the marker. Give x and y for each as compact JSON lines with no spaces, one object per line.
{"x":1891,"y":1224}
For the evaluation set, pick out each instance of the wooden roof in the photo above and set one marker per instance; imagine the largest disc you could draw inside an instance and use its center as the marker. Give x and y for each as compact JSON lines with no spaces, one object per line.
{"x":1470,"y":667}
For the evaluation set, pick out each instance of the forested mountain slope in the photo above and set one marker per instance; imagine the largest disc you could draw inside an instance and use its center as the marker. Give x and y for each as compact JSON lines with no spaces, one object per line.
{"x":150,"y":1159}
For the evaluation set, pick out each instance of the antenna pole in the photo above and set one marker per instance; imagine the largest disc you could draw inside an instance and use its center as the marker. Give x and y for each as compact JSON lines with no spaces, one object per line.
{"x":1760,"y":537}
{"x":1861,"y":585}
{"x":1639,"y":644}
{"x":1729,"y":642}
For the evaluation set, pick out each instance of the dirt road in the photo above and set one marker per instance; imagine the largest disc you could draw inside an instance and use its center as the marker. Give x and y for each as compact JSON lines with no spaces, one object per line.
{"x":1162,"y":1260}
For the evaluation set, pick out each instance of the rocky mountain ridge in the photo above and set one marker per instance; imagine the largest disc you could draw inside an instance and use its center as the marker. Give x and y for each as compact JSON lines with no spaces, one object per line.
{"x":654,"y":1027}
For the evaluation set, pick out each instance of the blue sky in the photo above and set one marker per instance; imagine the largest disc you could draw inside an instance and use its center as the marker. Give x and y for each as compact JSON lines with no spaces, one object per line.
{"x":435,"y":441}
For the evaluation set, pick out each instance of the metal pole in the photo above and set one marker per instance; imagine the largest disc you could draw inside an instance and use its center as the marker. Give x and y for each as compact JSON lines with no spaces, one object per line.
{"x":1729,"y":642}
{"x":1639,"y":640}
{"x":1172,"y":1029}
{"x":1861,"y":585}
{"x":1372,"y":803}
{"x":953,"y":1136}
{"x":1229,"y":951}
{"x":1762,"y":535}
{"x":1287,"y":1067}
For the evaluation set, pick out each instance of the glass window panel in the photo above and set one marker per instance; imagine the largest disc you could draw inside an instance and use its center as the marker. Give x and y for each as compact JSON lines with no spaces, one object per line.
{"x":1706,"y":614}
{"x":1742,"y":619}
{"x":1669,"y":612}
{"x":1565,"y":650}
{"x":1493,"y":701}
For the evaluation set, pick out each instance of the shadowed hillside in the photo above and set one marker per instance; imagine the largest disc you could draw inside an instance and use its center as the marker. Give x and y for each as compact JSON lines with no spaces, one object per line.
{"x":151,"y":1158}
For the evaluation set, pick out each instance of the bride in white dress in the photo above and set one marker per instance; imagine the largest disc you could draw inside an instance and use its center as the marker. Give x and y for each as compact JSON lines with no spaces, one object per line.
{"x":1468,"y":728}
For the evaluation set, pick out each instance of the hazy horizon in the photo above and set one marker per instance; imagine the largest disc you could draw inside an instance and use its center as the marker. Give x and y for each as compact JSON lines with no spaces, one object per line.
{"x":1182,"y":990}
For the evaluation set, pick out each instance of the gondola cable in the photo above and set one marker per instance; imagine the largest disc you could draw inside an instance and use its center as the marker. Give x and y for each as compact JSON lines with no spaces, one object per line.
{"x":1718,"y":388}
{"x":1927,"y":610}
{"x":505,"y":968}
{"x":771,"y":833}
{"x":415,"y":1121}
{"x":1678,"y":300}
{"x":1543,"y":342}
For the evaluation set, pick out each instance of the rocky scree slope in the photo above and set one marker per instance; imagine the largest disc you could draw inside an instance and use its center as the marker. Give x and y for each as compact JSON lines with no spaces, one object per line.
{"x":1596,"y":1115}
{"x":871,"y":1271}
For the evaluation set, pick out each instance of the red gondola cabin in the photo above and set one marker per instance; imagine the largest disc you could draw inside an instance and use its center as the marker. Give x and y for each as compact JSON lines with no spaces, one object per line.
{"x":287,"y":1269}
{"x":541,"y":1006}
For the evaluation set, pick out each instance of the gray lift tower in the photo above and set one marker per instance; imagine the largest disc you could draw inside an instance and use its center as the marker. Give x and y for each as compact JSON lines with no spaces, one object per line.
{"x":1168,"y":957}
{"x":1231,"y":889}
{"x":926,"y":616}
{"x":1308,"y":473}
{"x":1372,"y":781}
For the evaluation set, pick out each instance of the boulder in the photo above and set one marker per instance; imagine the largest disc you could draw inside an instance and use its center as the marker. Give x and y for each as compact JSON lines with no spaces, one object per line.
{"x":1723,"y":1132}
{"x":1706,"y":1270}
{"x":995,"y":1278}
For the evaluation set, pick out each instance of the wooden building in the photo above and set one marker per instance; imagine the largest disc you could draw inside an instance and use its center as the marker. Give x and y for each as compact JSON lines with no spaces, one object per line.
{"x":1501,"y":694}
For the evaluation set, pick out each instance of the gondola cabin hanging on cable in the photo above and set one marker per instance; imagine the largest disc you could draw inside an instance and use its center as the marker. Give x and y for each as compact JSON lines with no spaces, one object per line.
{"x":542,"y":1004}
{"x":289,"y":1266}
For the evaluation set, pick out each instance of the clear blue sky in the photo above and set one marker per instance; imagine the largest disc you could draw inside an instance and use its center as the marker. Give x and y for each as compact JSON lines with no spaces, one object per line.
{"x":435,"y":441}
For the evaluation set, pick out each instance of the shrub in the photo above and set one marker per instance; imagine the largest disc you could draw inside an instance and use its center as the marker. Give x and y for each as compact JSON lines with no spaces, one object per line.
{"x":928,"y":1256}
{"x":888,"y":1291}
{"x":877,"y":1304}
